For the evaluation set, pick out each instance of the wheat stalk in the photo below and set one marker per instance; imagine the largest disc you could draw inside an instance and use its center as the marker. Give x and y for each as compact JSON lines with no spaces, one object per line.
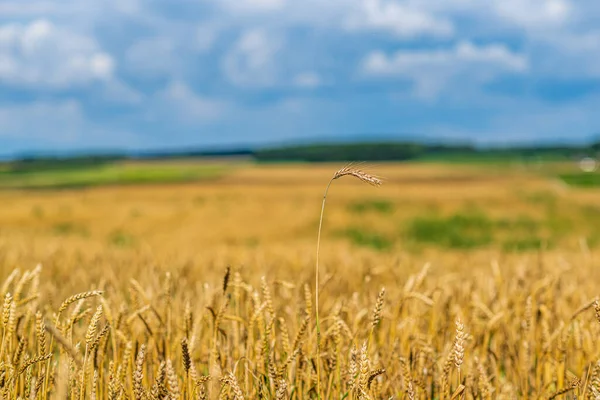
{"x":138,"y":374}
{"x":348,"y":170}
{"x":65,"y":304}
{"x":232,"y":382}
{"x":187,"y":364}
{"x":352,"y":170}
{"x":54,"y":333}
{"x":74,"y":298}
{"x":376,"y":314}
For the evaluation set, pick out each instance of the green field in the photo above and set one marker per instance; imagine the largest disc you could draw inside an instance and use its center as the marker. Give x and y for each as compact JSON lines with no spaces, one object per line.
{"x":117,"y":173}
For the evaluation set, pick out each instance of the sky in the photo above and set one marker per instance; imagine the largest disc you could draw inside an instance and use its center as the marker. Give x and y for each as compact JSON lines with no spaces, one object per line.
{"x":155,"y":74}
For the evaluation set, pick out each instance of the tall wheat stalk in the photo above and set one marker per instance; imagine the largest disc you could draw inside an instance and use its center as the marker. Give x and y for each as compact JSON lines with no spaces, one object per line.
{"x":349,"y":170}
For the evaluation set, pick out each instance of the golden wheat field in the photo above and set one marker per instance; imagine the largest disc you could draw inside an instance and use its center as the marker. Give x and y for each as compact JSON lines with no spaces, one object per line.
{"x":447,"y":282}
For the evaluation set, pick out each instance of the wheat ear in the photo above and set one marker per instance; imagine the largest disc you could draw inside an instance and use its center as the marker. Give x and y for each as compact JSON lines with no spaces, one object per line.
{"x":348,"y":170}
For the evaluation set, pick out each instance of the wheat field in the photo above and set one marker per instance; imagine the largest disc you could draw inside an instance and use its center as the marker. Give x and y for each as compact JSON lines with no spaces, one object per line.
{"x":447,"y":282}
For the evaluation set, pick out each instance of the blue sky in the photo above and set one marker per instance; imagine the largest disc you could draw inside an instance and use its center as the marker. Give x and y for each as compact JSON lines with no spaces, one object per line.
{"x":134,"y":74}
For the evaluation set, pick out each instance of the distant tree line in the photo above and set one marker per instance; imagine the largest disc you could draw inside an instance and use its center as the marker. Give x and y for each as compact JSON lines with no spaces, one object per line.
{"x":413,"y":151}
{"x":47,"y":163}
{"x":355,"y":151}
{"x":336,"y":152}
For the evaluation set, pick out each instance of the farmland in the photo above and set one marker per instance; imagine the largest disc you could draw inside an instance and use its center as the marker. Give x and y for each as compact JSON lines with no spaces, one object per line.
{"x":488,"y":272}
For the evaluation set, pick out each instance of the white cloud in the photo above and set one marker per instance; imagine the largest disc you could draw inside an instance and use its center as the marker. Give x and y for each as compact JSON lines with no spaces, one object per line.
{"x":90,"y":10}
{"x":432,"y":70}
{"x":399,"y":18}
{"x":180,"y":100}
{"x":497,"y":54}
{"x":102,"y":65}
{"x":378,"y":63}
{"x":307,"y":80}
{"x":534,"y":13}
{"x":251,"y":61}
{"x":253,"y":5}
{"x":40,"y":53}
{"x":543,"y":14}
{"x":131,"y":7}
{"x":20,"y":8}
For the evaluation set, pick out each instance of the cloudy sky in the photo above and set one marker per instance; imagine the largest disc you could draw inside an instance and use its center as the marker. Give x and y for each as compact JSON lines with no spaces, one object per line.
{"x":135,"y":74}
